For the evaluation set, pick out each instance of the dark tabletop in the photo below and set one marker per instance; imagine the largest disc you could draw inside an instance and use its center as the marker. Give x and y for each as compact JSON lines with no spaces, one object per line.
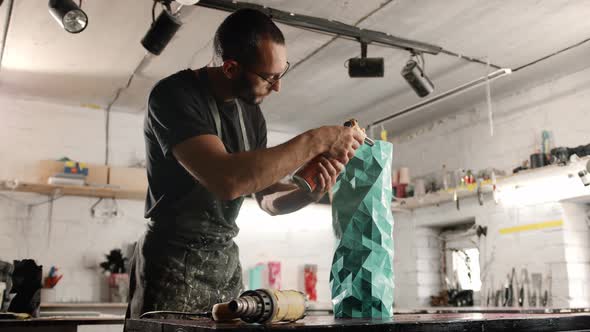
{"x":400,"y":322}
{"x":62,"y":321}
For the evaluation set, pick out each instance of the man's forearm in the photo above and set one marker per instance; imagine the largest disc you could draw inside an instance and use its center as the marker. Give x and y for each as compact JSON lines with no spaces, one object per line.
{"x":251,"y":172}
{"x":287,"y":201}
{"x":231,"y":175}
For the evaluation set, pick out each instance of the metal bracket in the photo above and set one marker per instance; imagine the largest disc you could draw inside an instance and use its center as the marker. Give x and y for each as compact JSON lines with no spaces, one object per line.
{"x":363,"y":50}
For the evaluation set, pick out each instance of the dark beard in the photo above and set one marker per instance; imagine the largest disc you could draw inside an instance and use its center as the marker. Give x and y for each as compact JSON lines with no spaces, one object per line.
{"x":243,"y":89}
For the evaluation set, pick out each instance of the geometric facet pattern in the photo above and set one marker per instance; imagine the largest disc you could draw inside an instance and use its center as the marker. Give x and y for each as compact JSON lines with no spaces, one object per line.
{"x":361,"y":279}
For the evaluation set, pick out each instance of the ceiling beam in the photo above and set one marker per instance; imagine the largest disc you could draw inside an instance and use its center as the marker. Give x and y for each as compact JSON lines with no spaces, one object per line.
{"x":327,"y":26}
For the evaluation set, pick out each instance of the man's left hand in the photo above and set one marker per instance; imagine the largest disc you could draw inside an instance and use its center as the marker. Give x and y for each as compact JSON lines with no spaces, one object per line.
{"x":329,"y":171}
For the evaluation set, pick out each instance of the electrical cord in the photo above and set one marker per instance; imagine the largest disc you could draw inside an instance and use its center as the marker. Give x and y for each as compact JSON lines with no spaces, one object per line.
{"x":419,"y":56}
{"x":114,"y":211}
{"x":551,"y":55}
{"x":93,"y":207}
{"x":154,"y":11}
{"x":423,"y":63}
{"x":469,"y":58}
{"x":114,"y":100}
{"x":141,"y":63}
{"x":204,"y":314}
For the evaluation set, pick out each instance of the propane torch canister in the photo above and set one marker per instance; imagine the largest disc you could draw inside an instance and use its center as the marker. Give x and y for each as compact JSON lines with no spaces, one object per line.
{"x":307,"y":177}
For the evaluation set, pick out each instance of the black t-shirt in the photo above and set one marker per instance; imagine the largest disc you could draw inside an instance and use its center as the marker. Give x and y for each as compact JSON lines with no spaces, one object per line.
{"x":178,"y":110}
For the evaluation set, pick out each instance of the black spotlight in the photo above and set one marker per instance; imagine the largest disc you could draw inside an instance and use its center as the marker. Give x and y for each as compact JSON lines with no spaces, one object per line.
{"x":161,"y":32}
{"x":417,"y":79}
{"x":68,"y":15}
{"x":365,"y":67}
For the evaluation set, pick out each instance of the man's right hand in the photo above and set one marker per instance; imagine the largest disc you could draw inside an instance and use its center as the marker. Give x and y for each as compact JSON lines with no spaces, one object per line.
{"x":222,"y":176}
{"x":340,"y":142}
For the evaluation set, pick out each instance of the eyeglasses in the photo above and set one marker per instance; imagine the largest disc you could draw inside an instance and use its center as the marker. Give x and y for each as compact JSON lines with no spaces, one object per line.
{"x":274,"y":78}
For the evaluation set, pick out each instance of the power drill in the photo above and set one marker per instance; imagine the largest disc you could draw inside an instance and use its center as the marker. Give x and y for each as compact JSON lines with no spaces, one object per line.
{"x":263,"y":306}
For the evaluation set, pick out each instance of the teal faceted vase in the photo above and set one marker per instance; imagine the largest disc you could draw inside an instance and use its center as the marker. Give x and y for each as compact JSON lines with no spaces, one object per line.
{"x":361,"y":279}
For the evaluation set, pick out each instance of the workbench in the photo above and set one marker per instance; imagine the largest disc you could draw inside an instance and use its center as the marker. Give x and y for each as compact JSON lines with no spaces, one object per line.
{"x":487,"y":322}
{"x":57,"y":324}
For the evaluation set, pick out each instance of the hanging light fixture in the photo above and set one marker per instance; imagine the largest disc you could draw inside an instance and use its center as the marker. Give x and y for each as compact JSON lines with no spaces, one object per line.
{"x":416,"y":78}
{"x":68,"y":15}
{"x":162,"y":29}
{"x":364,"y":66}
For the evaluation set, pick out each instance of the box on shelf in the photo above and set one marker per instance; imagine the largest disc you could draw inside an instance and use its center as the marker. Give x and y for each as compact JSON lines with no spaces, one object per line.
{"x":128,"y":178}
{"x":97,"y":174}
{"x":75,"y":167}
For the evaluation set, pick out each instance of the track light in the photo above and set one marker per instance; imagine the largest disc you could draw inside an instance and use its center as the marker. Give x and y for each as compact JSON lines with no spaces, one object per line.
{"x":68,"y":15}
{"x":365,"y":67}
{"x":414,"y":75}
{"x":161,"y":32}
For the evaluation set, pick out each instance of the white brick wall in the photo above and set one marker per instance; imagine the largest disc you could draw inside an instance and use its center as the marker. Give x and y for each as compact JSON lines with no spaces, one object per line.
{"x":404,"y":261}
{"x":68,"y":238}
{"x":577,"y":253}
{"x":303,"y":237}
{"x":462,"y":141}
{"x":32,"y":130}
{"x":539,"y":251}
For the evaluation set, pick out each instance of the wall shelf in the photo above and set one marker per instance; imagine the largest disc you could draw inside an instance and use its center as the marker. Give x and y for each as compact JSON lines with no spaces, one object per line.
{"x":89,"y":191}
{"x":565,"y":175}
{"x":441,"y":196}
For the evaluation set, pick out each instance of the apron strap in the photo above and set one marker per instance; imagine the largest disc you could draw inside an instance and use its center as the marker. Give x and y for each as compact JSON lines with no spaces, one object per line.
{"x":215,"y":112}
{"x":243,"y":126}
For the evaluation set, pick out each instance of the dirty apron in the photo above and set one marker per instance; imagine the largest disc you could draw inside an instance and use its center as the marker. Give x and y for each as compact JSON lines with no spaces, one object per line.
{"x":188,"y":261}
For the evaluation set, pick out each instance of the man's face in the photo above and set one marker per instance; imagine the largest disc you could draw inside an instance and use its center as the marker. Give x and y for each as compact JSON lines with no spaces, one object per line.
{"x":257,"y":81}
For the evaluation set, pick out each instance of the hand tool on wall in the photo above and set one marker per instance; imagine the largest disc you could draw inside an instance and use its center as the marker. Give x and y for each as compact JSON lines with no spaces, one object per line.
{"x":512,"y":289}
{"x":522,"y":298}
{"x":537,"y":280}
{"x":52,"y":278}
{"x":550,"y":282}
{"x":497,"y":298}
{"x":506,"y":291}
{"x":544,"y":299}
{"x":545,"y":295}
{"x":509,"y":290}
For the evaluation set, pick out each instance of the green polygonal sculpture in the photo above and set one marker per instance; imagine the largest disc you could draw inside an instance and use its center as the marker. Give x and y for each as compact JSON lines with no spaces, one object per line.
{"x":361,"y":278}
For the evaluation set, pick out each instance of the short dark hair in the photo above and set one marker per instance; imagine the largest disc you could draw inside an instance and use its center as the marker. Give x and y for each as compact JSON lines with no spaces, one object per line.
{"x":238,"y":36}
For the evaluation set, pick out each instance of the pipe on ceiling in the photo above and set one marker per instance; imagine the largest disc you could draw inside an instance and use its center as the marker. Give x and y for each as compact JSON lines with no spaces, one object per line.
{"x":455,"y":91}
{"x":9,"y":3}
